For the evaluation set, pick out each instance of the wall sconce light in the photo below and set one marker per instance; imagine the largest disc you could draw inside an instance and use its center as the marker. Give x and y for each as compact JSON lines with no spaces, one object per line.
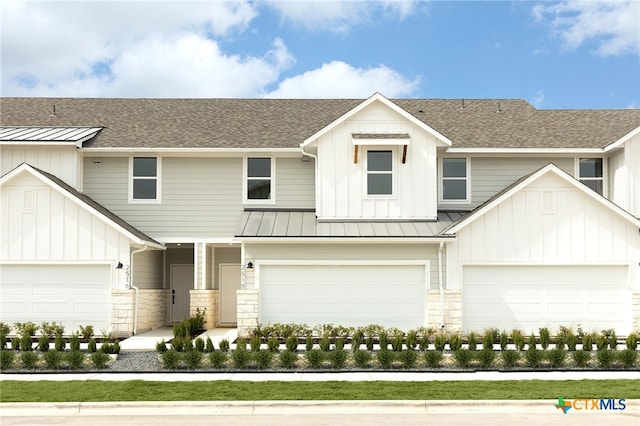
{"x":250,"y":265}
{"x":306,"y":159}
{"x":119,"y":265}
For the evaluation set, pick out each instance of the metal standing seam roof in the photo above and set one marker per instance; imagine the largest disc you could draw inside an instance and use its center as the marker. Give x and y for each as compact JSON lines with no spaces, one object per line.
{"x":301,"y":224}
{"x":285,"y":123}
{"x":47,"y":134}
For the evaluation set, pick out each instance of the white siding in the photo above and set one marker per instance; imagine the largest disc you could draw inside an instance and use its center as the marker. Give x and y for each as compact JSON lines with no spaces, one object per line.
{"x":490,"y":175}
{"x":548,"y":222}
{"x":624,"y":172}
{"x":61,"y":161}
{"x":342,"y":184}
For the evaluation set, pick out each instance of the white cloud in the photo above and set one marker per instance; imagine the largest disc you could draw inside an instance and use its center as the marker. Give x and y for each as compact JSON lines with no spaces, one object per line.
{"x":337,"y":15}
{"x":338,"y":79}
{"x":537,"y":99}
{"x":614,"y":24}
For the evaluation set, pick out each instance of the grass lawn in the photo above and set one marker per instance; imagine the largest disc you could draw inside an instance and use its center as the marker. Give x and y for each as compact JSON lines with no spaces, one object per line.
{"x":138,"y":390}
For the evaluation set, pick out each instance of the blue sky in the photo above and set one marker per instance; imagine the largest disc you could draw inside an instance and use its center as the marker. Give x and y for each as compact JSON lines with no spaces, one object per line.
{"x":567,"y":54}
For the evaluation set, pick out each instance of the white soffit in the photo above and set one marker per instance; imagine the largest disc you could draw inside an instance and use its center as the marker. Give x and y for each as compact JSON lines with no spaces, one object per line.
{"x":47,"y":135}
{"x":380,"y":138}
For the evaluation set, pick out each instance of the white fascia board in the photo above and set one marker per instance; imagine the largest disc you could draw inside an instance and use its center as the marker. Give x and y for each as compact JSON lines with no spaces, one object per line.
{"x":572,"y":151}
{"x":373,"y":98}
{"x":550,"y":168}
{"x":191,"y":151}
{"x":39,"y":143}
{"x":622,"y":140}
{"x":346,"y":240}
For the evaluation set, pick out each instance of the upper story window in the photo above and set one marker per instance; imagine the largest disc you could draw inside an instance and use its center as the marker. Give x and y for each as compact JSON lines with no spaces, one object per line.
{"x":145,"y":179}
{"x":455,"y":180}
{"x":379,"y":172}
{"x":259,"y":179}
{"x":591,"y":173}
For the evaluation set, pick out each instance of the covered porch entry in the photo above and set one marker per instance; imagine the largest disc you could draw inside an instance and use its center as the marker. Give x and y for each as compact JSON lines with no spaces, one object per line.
{"x":204,"y":276}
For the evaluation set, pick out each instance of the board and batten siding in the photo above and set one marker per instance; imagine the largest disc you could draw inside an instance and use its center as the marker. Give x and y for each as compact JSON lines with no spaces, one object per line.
{"x":624,"y":172}
{"x":342,"y":185}
{"x":548,"y":222}
{"x":301,"y":253}
{"x":61,"y":161}
{"x":490,"y":175}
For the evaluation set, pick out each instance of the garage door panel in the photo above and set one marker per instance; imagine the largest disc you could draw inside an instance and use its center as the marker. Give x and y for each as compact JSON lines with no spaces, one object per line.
{"x":528,"y":298}
{"x":343,"y":294}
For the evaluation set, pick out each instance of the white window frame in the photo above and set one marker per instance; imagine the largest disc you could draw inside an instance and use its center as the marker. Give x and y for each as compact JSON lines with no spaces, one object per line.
{"x":245,"y":179}
{"x":394,"y":168}
{"x":441,"y":179}
{"x":157,"y":178}
{"x":604,"y":172}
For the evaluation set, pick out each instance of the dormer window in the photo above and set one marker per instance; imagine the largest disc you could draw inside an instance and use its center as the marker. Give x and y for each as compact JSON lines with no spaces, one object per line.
{"x":591,"y":173}
{"x":379,"y":172}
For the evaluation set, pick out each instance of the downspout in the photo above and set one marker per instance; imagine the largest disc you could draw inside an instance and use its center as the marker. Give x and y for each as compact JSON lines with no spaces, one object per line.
{"x":440,"y":280}
{"x":136,"y":289}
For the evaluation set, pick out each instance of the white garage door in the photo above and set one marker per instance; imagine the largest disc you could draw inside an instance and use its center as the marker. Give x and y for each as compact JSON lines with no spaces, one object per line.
{"x":71,"y":295}
{"x":530,"y":297}
{"x":348,"y":295}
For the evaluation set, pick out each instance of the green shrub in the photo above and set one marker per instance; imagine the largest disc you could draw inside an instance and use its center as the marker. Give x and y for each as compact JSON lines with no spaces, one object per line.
{"x":631,"y":341}
{"x":6,"y":359}
{"x":385,"y":358}
{"x":556,"y":357}
{"x":92,"y":345}
{"x":26,"y":343}
{"x":28,"y":359}
{"x":15,"y":344}
{"x":208,"y":347}
{"x":171,"y":359}
{"x":337,"y":358}
{"x":273,"y":344}
{"x":587,"y":342}
{"x":455,"y":342}
{"x":463,"y":357}
{"x":397,"y":342}
{"x":199,"y":344}
{"x":74,"y":342}
{"x":561,"y":341}
{"x":51,"y":330}
{"x":602,"y":343}
{"x":486,"y":357}
{"x":52,"y":359}
{"x":628,"y":358}
{"x":288,"y":359}
{"x":440,"y":342}
{"x":99,"y":359}
{"x":339,"y":343}
{"x":362,"y":358}
{"x":605,"y":358}
{"x":161,"y":346}
{"x":59,"y":343}
{"x":196,"y":322}
{"x":472,"y":341}
{"x":488,"y":338}
{"x":217,"y":358}
{"x":533,"y":356}
{"x":369,"y":342}
{"x":433,"y":358}
{"x":5,"y":328}
{"x":193,"y":359}
{"x":408,"y":358}
{"x":43,"y":344}
{"x":581,"y":358}
{"x":612,"y":339}
{"x":3,"y":339}
{"x":241,"y":344}
{"x":325,"y":343}
{"x":383,"y":340}
{"x":25,"y":328}
{"x":75,"y":359}
{"x":504,"y":340}
{"x":291,"y":343}
{"x":572,"y":341}
{"x":254,"y":343}
{"x":86,"y":332}
{"x":531,"y":341}
{"x":262,"y":358}
{"x":518,"y":339}
{"x":308,"y":345}
{"x":545,"y":337}
{"x":315,"y":357}
{"x":412,"y":340}
{"x":240,"y":358}
{"x":224,"y":345}
{"x":182,"y":329}
{"x":510,"y":358}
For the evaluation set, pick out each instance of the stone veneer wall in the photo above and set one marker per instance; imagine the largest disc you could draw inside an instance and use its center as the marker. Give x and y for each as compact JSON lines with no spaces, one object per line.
{"x":205,"y":299}
{"x":153,"y":310}
{"x":247,"y":311}
{"x":635,"y":311}
{"x":452,"y":310}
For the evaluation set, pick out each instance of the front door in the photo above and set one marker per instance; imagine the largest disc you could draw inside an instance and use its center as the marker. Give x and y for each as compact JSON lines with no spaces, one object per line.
{"x":181,"y":283}
{"x":229,"y":285}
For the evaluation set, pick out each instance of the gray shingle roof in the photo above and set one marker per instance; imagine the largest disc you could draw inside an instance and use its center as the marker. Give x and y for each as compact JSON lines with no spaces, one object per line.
{"x":285,"y":123}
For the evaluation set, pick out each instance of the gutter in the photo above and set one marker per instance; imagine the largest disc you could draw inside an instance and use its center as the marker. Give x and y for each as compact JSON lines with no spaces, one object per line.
{"x":136,"y":289}
{"x":440,"y":286}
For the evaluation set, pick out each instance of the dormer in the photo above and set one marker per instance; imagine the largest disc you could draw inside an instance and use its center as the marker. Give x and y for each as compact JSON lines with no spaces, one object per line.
{"x":377,"y":162}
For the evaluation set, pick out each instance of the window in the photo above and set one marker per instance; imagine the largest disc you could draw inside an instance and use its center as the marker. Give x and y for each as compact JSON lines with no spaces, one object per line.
{"x":379,"y":172}
{"x":590,"y":172}
{"x":145,"y":179}
{"x":455,"y":185}
{"x":259,"y":178}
